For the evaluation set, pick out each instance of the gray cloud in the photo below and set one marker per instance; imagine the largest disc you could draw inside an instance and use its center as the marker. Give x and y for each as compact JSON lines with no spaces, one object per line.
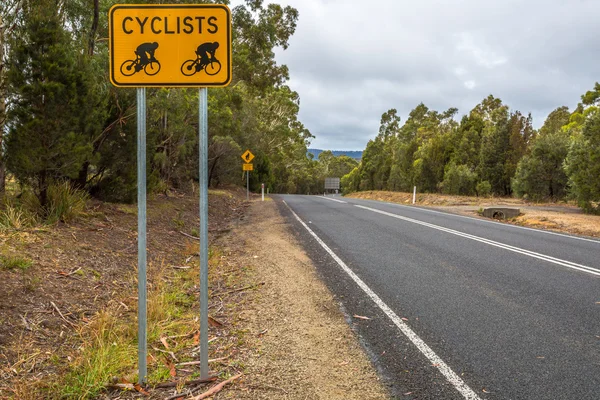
{"x":351,"y":60}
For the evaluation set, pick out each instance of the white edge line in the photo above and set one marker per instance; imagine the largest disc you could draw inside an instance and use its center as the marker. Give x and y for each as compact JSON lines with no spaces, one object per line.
{"x":450,"y":375}
{"x":483,"y":220}
{"x":327,"y":198}
{"x":558,"y":261}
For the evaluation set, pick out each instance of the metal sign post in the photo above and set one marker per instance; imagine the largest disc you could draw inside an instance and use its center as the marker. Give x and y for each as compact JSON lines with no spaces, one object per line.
{"x":203,"y":143}
{"x":247,"y":185}
{"x":141,"y":178}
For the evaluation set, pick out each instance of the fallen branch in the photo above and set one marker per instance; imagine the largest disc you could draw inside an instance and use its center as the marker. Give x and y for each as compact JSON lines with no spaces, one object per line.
{"x":189,"y":392}
{"x":180,"y":336}
{"x":183,"y":364}
{"x":244,"y":288}
{"x":124,"y":305}
{"x":216,"y":389}
{"x":70,"y":274}
{"x":190,"y":236}
{"x":180,"y":395}
{"x":167,"y":352}
{"x":124,"y":386}
{"x":214,"y":322}
{"x":259,"y":334}
{"x":62,"y":316}
{"x":176,"y":267}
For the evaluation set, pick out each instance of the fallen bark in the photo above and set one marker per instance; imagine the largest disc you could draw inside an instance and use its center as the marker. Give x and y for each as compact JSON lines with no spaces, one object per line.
{"x":216,"y":388}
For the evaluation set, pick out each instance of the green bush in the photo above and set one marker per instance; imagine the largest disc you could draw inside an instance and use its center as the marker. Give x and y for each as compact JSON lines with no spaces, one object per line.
{"x":583,"y":166}
{"x":116,"y":189}
{"x":540,"y":174}
{"x":483,"y":188}
{"x":459,"y":179}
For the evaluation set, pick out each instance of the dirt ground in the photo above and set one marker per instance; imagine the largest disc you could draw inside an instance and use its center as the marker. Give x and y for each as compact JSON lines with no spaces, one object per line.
{"x":272,"y":320}
{"x":557,"y":217}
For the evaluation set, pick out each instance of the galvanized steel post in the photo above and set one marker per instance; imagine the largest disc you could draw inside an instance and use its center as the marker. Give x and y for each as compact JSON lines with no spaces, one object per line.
{"x":141,"y":185}
{"x":203,"y":143}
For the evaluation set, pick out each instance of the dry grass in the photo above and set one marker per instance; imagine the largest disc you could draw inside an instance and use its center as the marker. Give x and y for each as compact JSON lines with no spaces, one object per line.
{"x":435,"y":199}
{"x":87,"y":269}
{"x":559,"y":217}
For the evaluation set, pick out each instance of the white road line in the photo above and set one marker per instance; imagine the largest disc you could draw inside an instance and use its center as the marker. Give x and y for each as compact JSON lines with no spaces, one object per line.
{"x":554,"y":260}
{"x":492,"y":222}
{"x":328,"y":198}
{"x":450,"y":375}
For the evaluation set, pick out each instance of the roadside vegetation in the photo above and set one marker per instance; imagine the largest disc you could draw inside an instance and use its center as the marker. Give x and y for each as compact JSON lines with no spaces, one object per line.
{"x":491,"y":151}
{"x":62,"y":122}
{"x":68,"y":299}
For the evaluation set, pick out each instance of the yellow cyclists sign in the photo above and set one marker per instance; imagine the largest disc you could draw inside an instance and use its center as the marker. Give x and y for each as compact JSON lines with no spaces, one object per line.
{"x":162,"y":45}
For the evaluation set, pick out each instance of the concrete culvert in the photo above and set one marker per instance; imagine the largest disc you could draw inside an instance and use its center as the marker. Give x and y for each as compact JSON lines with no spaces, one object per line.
{"x":498,"y":215}
{"x":500,"y":212}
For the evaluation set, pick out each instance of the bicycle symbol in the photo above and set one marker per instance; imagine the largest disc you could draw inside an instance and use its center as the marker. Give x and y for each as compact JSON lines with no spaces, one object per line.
{"x":205,"y":60}
{"x":144,"y":60}
{"x":130,"y":67}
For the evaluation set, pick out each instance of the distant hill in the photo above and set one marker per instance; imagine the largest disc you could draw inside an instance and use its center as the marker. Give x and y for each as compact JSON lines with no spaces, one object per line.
{"x":353,"y":154}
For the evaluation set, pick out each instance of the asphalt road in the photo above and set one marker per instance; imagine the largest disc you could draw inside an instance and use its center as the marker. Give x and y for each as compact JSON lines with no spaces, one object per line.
{"x":459,"y":307}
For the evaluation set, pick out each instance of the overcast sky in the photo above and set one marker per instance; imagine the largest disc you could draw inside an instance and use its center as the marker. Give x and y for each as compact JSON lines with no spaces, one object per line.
{"x":352,"y":60}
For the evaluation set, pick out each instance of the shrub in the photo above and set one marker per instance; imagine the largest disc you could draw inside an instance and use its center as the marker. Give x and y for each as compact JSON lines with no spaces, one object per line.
{"x":583,"y":166}
{"x":15,"y":218}
{"x":459,"y":179}
{"x":483,"y":188}
{"x":64,"y":203}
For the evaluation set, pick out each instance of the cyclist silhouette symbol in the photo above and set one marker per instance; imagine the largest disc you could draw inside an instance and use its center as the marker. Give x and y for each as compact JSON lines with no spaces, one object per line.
{"x":205,"y":60}
{"x":145,"y":61}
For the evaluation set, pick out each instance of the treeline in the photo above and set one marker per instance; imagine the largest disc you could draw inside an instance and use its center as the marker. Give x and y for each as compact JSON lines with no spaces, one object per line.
{"x":492,"y":151}
{"x":61,"y":121}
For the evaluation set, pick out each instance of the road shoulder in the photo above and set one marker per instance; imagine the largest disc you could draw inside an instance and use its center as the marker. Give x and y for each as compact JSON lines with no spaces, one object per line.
{"x":302,"y":347}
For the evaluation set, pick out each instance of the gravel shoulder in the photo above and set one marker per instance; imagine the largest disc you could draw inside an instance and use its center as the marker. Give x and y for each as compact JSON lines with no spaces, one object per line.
{"x":304,"y":348}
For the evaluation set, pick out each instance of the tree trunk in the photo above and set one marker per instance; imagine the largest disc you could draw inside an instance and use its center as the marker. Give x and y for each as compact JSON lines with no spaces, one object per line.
{"x":2,"y":106}
{"x":212,"y":169}
{"x":43,"y":194}
{"x":82,"y":178}
{"x":94,"y":28}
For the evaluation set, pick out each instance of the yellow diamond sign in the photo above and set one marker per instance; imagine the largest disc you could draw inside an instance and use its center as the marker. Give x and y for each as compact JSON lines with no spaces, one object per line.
{"x":158,"y":45}
{"x":247,"y":156}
